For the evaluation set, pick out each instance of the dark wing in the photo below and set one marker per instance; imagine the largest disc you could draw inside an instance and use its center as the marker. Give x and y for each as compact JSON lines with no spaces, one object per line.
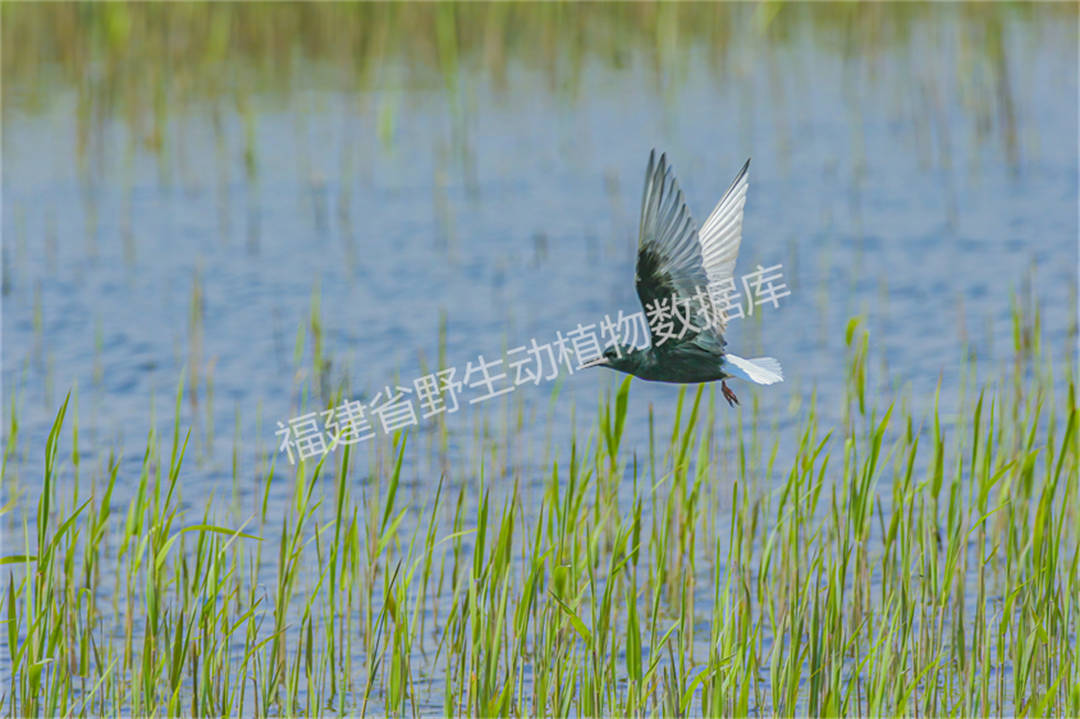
{"x":670,"y":263}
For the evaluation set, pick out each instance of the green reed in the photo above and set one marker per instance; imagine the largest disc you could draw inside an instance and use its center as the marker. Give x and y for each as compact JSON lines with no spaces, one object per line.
{"x":897,"y":564}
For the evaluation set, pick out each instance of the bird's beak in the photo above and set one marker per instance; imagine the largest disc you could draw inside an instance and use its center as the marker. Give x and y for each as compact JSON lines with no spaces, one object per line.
{"x":598,"y":362}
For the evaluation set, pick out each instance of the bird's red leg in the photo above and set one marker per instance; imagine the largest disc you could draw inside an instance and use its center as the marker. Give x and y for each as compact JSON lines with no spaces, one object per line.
{"x":729,"y":395}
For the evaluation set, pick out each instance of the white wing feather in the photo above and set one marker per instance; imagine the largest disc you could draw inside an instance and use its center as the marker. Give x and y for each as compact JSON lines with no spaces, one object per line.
{"x":721,"y":233}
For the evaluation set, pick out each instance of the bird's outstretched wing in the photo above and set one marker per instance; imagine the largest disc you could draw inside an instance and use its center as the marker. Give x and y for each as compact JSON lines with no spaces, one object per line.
{"x":721,"y":234}
{"x":675,"y":263}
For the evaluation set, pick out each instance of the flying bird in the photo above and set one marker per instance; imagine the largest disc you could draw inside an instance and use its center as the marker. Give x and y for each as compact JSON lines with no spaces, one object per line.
{"x":682,"y":268}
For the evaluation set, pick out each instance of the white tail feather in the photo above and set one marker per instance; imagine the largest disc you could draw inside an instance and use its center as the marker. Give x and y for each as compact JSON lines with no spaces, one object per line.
{"x":760,"y":370}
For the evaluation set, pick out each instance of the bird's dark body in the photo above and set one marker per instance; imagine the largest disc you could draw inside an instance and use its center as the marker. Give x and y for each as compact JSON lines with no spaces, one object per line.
{"x":682,"y":363}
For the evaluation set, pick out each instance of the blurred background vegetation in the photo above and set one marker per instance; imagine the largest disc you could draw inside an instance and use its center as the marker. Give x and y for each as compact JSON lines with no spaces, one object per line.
{"x":144,"y":61}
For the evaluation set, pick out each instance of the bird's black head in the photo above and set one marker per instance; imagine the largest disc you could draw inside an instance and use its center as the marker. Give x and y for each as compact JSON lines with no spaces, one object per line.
{"x":622,"y":358}
{"x":614,"y":353}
